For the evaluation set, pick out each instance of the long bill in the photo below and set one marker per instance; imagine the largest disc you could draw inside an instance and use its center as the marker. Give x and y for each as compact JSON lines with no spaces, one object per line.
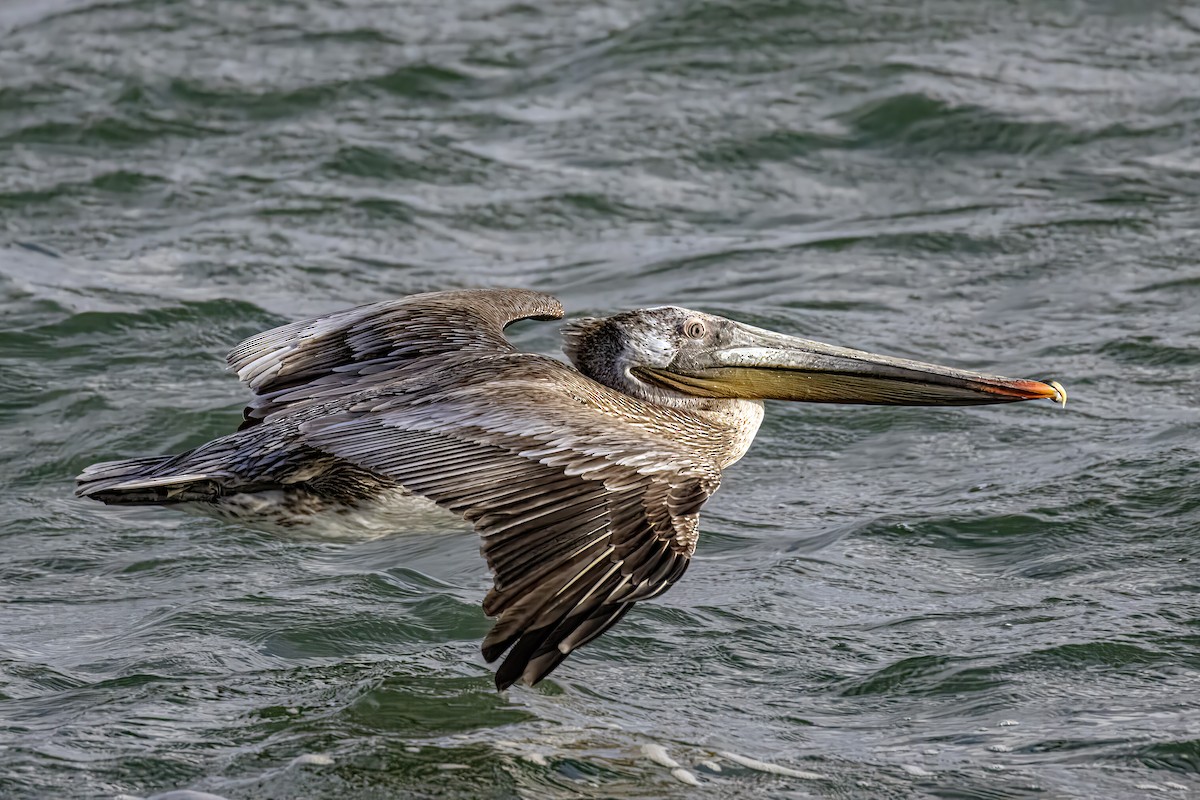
{"x":763,"y":365}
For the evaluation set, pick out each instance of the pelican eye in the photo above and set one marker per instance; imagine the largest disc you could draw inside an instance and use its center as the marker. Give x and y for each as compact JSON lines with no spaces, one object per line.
{"x":695,"y":328}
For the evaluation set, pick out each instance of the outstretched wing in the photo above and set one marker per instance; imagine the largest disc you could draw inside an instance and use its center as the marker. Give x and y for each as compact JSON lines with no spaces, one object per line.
{"x":584,"y":507}
{"x":318,"y":359}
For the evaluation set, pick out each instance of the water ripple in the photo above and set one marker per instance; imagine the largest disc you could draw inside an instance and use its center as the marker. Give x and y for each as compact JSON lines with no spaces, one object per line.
{"x":994,"y":602}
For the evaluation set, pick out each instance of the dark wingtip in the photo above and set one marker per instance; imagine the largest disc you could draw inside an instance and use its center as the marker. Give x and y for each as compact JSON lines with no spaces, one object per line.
{"x":528,"y":645}
{"x":493,"y":651}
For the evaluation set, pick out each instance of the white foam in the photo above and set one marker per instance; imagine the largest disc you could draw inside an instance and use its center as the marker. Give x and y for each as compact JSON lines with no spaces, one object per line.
{"x":316,"y":759}
{"x":774,"y":769}
{"x":683,"y":776}
{"x":658,"y":754}
{"x":915,"y":771}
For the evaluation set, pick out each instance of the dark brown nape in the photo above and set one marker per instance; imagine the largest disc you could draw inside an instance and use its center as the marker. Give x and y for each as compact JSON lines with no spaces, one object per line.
{"x":595,"y":346}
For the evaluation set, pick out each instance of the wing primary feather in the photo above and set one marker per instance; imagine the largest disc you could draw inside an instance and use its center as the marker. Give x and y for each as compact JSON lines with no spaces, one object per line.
{"x":536,"y":610}
{"x":552,"y":556}
{"x":590,"y":628}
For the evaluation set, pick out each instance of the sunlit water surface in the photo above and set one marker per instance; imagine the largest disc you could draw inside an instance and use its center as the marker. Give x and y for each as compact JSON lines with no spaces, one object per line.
{"x":886,"y":603}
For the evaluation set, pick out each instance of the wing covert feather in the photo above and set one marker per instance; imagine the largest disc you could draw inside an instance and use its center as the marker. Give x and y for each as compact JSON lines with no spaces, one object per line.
{"x":319,"y":359}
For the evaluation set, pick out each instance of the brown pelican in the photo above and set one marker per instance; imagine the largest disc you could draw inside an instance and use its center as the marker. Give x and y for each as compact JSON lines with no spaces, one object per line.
{"x":585,"y":482}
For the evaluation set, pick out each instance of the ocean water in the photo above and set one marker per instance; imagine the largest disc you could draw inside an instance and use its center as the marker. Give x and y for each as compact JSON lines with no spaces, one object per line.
{"x":999,"y":602}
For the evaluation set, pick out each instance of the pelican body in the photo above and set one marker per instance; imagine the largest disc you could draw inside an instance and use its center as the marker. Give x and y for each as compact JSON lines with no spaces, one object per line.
{"x":584,"y":482}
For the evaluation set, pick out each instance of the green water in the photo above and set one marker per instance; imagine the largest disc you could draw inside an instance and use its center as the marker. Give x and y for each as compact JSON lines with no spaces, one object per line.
{"x":999,"y":602}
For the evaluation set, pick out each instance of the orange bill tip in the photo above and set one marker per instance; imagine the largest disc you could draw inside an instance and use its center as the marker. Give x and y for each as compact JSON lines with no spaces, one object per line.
{"x":1028,"y":390}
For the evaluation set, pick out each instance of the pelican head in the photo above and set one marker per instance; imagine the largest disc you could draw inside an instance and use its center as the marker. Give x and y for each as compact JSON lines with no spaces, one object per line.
{"x":682,"y":357}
